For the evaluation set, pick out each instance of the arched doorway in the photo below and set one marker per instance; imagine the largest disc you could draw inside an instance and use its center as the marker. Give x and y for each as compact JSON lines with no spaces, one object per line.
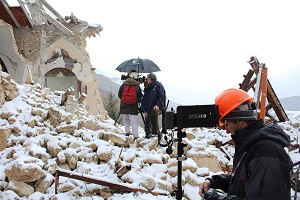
{"x":61,"y":79}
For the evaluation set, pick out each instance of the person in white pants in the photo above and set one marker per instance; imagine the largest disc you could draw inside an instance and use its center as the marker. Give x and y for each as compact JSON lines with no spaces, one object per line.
{"x":133,"y":121}
{"x":130,"y":94}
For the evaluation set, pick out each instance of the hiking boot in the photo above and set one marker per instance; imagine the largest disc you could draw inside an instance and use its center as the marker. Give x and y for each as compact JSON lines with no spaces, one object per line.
{"x":127,"y":134}
{"x":148,"y":136}
{"x":135,"y":138}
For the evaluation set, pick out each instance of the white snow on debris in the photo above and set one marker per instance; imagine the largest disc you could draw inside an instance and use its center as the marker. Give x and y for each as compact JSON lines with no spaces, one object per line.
{"x":28,"y":147}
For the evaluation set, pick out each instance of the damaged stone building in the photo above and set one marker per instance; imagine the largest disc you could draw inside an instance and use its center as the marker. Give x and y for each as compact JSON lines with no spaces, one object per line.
{"x":38,"y":45}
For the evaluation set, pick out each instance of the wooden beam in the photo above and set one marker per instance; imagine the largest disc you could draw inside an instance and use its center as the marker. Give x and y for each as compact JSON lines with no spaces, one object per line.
{"x":276,"y":105}
{"x":97,"y":180}
{"x":247,"y":80}
{"x":268,"y":107}
{"x":50,"y":8}
{"x":58,"y":24}
{"x":251,"y":85}
{"x":5,"y":5}
{"x":257,"y":90}
{"x":26,"y":13}
{"x":263,"y":98}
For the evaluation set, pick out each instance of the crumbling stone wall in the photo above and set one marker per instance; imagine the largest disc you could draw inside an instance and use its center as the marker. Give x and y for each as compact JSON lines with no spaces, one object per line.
{"x":36,"y":45}
{"x":29,"y":40}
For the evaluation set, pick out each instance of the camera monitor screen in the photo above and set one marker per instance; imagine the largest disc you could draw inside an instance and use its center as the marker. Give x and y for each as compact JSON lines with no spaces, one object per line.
{"x":197,"y":116}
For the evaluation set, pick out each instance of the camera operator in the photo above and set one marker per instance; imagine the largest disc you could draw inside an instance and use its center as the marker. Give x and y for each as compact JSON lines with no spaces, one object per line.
{"x":261,"y":165}
{"x":153,"y":103}
{"x":130,"y":111}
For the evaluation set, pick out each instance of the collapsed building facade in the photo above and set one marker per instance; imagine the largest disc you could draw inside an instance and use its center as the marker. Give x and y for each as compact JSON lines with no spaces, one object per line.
{"x":38,"y":45}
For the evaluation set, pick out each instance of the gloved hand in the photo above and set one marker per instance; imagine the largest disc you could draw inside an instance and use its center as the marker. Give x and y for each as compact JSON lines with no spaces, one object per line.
{"x":213,"y":194}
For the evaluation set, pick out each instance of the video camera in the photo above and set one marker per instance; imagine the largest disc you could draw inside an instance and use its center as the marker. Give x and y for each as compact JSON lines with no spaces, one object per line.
{"x":193,"y":116}
{"x":139,"y":79}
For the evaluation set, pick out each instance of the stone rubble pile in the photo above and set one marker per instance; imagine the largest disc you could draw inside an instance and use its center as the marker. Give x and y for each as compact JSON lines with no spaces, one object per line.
{"x":8,"y":88}
{"x":38,"y":137}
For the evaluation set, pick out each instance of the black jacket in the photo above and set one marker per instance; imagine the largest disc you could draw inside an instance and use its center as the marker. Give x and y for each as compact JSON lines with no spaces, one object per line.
{"x":131,"y":109}
{"x":261,"y":165}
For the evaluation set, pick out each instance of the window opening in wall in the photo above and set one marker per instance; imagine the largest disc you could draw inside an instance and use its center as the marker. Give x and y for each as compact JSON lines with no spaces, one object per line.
{"x":3,"y":67}
{"x":61,"y":79}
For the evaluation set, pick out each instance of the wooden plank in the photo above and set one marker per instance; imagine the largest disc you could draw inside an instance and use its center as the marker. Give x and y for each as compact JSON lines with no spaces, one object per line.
{"x":10,"y":14}
{"x":263,"y":92}
{"x":251,"y":85}
{"x":58,"y":24}
{"x":247,"y":80}
{"x":97,"y":180}
{"x":26,"y":13}
{"x":257,"y":91}
{"x":60,"y":18}
{"x":276,"y":105}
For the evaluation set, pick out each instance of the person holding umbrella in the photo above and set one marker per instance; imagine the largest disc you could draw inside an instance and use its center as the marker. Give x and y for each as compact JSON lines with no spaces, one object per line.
{"x":153,"y":103}
{"x":130,"y":94}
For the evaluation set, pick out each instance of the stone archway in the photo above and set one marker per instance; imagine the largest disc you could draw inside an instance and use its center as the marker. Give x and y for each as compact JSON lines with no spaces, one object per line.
{"x":61,"y":79}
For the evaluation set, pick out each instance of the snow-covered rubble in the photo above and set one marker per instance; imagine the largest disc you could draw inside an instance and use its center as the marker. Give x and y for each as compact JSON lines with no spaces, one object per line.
{"x":42,"y":137}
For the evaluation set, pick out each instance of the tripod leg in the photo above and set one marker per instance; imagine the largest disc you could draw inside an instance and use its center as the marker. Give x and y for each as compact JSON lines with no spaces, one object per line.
{"x":142,"y":117}
{"x":179,"y":192}
{"x":117,"y":119}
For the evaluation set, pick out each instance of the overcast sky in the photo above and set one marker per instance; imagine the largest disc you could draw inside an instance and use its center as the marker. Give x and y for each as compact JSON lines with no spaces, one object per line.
{"x":202,"y":47}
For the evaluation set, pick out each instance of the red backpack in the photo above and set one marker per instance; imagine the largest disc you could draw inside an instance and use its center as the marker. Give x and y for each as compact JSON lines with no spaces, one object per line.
{"x":129,"y":95}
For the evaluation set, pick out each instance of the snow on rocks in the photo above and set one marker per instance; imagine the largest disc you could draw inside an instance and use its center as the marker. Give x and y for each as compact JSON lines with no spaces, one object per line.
{"x":38,"y":136}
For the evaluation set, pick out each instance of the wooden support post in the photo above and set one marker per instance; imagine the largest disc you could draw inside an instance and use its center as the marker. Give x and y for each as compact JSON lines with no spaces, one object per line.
{"x":6,"y":6}
{"x":251,"y":85}
{"x":263,"y":98}
{"x":257,"y":91}
{"x":247,"y":80}
{"x":276,"y":105}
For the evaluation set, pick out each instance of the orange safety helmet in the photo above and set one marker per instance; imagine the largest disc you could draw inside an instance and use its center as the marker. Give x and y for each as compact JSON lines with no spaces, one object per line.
{"x":229,"y":100}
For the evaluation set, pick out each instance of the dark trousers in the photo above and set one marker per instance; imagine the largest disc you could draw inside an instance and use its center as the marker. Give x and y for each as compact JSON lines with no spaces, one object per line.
{"x":148,"y":126}
{"x":151,"y":123}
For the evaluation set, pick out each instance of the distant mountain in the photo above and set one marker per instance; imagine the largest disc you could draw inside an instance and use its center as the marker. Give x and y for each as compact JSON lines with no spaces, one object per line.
{"x":107,"y":85}
{"x":291,"y":103}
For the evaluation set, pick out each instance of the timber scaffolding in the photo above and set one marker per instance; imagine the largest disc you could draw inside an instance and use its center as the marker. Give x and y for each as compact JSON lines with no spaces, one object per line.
{"x":263,"y":91}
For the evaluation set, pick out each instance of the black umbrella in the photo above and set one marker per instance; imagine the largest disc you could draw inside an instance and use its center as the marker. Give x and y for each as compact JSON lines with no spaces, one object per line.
{"x":139,"y":65}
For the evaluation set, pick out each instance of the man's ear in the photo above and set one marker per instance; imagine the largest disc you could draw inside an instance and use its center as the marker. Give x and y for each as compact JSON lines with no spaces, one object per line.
{"x":242,"y":123}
